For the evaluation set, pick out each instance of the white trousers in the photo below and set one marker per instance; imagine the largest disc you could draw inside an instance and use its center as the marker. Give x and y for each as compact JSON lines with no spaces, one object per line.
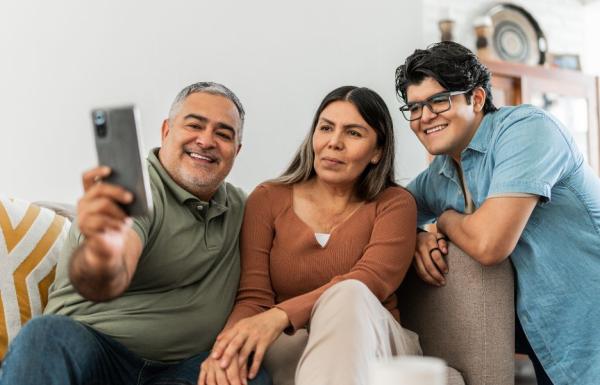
{"x":348,"y":329}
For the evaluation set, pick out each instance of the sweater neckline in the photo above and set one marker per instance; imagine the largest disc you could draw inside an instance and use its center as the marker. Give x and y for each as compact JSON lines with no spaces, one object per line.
{"x":312,"y":231}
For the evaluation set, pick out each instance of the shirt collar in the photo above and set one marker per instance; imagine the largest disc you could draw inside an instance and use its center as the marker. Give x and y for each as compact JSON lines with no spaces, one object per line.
{"x":479,"y":143}
{"x":481,"y":139}
{"x":447,"y":166}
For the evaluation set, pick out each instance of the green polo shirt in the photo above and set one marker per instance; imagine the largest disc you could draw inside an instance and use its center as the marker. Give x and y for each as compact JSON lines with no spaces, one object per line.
{"x":186,"y":280}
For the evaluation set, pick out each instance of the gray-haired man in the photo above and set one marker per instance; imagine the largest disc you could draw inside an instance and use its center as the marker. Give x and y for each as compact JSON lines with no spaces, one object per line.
{"x":141,"y":301}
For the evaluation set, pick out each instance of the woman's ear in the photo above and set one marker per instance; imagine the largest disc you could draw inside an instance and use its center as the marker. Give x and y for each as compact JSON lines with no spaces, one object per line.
{"x":377,"y":156}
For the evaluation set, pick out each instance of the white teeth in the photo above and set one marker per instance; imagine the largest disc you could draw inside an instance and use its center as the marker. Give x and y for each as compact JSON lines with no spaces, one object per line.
{"x":435,"y":129}
{"x":198,"y":156}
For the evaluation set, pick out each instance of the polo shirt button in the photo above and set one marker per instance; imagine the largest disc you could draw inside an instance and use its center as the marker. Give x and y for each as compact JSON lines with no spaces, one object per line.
{"x":200,"y":207}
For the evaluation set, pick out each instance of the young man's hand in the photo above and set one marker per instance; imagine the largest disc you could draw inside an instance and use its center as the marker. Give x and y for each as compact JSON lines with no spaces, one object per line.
{"x":429,"y":257}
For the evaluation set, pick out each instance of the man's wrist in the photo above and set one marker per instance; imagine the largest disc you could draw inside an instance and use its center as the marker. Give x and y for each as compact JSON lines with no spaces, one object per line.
{"x":442,"y":222}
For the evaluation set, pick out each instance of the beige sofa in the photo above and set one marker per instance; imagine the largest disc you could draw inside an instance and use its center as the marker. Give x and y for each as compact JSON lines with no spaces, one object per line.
{"x":469,"y":322}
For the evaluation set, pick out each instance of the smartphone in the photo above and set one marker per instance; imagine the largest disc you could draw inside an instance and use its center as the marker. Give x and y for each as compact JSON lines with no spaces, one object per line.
{"x":119,"y":146}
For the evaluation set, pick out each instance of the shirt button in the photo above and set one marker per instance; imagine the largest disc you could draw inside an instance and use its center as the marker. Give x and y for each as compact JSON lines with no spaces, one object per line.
{"x":200,"y":207}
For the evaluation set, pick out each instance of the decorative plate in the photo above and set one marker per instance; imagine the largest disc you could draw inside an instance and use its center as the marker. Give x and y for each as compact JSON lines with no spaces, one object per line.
{"x":517,"y":36}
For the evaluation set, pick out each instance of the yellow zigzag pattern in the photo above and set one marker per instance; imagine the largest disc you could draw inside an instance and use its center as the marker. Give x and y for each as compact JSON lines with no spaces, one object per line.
{"x":43,"y":241}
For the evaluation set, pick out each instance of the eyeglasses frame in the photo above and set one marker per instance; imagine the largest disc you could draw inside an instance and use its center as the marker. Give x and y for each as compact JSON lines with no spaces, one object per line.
{"x":425,"y":102}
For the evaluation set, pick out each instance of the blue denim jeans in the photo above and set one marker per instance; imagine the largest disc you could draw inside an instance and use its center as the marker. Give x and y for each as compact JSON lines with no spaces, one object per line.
{"x":56,"y":350}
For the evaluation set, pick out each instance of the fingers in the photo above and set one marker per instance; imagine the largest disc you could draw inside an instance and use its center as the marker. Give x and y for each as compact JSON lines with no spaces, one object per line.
{"x":233,"y":373}
{"x":438,"y":260}
{"x":422,"y":271}
{"x":91,"y":177}
{"x":233,"y":348}
{"x":221,"y":377}
{"x":442,"y":242}
{"x":202,"y":376}
{"x":222,"y":342}
{"x":210,"y":378}
{"x":429,"y":258}
{"x":211,"y":374}
{"x":98,"y":210}
{"x":105,"y":205}
{"x":257,"y":360}
{"x":244,"y":372}
{"x":245,"y":353}
{"x":432,"y":269}
{"x":100,"y":223}
{"x":110,"y":191}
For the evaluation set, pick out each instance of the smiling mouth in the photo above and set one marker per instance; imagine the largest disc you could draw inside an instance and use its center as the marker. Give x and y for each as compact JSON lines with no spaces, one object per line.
{"x":197,"y":156}
{"x":437,"y":128}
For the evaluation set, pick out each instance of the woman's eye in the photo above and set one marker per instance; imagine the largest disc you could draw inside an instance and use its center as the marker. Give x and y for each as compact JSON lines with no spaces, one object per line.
{"x":325,"y":128}
{"x":354,"y":133}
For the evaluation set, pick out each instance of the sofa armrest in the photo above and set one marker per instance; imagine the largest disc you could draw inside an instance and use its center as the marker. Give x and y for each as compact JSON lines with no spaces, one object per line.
{"x":469,"y":322}
{"x":65,"y":209}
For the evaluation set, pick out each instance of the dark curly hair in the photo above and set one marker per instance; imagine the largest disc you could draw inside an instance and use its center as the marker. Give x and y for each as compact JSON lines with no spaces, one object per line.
{"x":454,"y":66}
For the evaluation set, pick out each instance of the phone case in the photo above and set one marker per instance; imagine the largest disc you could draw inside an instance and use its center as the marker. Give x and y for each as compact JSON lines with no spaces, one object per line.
{"x":118,"y":145}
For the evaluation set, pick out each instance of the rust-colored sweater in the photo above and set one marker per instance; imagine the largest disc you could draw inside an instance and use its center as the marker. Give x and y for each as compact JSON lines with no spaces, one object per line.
{"x":283,"y":265}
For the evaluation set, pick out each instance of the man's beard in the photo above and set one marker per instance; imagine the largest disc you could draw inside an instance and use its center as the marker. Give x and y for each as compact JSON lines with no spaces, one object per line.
{"x":194,"y":182}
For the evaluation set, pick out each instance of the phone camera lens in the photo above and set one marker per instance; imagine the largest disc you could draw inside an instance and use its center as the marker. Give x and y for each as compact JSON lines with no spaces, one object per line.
{"x":99,"y":118}
{"x":100,"y":123}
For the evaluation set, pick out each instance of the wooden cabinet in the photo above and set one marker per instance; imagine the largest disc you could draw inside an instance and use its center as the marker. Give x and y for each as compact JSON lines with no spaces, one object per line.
{"x":571,"y":96}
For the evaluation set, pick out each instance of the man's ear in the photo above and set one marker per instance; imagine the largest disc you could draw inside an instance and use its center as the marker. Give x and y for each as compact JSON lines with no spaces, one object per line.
{"x":479,"y":96}
{"x":164,"y":130}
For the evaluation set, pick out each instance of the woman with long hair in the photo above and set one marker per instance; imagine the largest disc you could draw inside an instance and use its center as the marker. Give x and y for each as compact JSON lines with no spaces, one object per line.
{"x":323,"y":249}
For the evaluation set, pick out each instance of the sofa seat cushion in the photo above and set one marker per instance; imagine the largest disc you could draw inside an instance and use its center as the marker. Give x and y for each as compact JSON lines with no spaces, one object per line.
{"x":30,"y":242}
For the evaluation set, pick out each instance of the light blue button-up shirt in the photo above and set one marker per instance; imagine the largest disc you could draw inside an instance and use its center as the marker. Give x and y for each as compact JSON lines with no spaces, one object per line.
{"x":557,"y":259}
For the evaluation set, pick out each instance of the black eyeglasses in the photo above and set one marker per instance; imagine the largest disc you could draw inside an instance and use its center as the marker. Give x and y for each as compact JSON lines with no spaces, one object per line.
{"x":437,"y":103}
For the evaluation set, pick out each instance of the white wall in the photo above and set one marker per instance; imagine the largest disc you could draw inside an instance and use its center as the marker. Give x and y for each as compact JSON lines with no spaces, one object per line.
{"x":60,"y":58}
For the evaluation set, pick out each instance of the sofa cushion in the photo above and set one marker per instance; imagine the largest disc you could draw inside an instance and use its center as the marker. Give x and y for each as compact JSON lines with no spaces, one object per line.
{"x":30,"y":241}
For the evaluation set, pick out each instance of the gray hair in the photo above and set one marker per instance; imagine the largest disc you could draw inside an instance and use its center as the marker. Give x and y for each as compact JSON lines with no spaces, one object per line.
{"x":209,"y":88}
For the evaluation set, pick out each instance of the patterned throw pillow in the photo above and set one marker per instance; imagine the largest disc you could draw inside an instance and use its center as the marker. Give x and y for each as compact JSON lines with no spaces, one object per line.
{"x":30,"y":241}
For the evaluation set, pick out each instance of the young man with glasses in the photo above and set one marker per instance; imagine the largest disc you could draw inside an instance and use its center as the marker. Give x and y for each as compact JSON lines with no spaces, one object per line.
{"x":508,"y":182}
